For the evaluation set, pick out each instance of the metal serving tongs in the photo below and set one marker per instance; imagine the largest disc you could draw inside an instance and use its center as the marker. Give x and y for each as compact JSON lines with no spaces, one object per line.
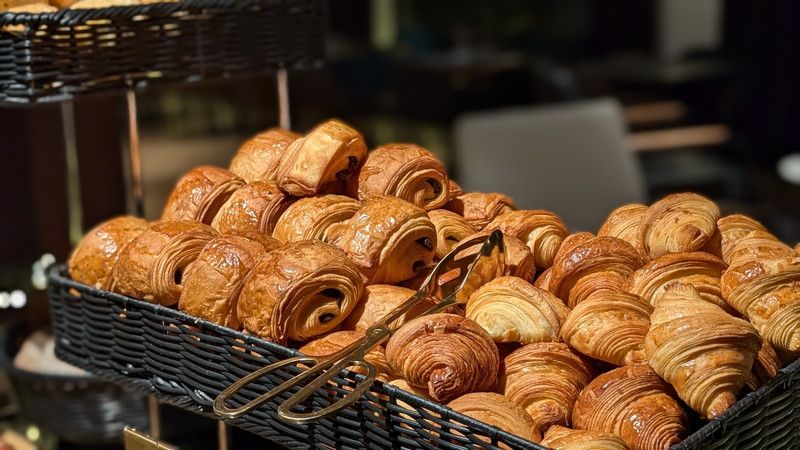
{"x":452,"y":280}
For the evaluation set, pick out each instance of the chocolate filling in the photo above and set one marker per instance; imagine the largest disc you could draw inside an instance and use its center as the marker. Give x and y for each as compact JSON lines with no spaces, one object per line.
{"x":418,"y":265}
{"x":435,"y":185}
{"x":425,"y":242}
{"x":325,"y":318}
{"x":352,"y":164}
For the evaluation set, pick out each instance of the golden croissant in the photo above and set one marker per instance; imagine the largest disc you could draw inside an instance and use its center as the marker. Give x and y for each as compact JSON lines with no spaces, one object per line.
{"x":623,"y":223}
{"x":703,"y":352}
{"x":450,"y":230}
{"x":590,"y":256}
{"x":152,"y":266}
{"x":406,"y":171}
{"x":609,"y":325}
{"x":321,"y":160}
{"x":545,"y":378}
{"x":678,"y":223}
{"x":480,"y":208}
{"x":734,"y":227}
{"x":94,"y":257}
{"x":254,"y":208}
{"x":390,"y":239}
{"x":213,"y":281}
{"x":765,"y":366}
{"x":632,"y":402}
{"x":563,"y":438}
{"x":379,"y":300}
{"x":258,"y":157}
{"x":310,"y":217}
{"x":700,"y":269}
{"x":448,"y":354}
{"x":543,"y":280}
{"x":200,"y":193}
{"x":541,"y":230}
{"x":497,"y":411}
{"x":333,"y":342}
{"x":299,"y":291}
{"x":757,"y":245}
{"x":570,"y":242}
{"x":512,"y":310}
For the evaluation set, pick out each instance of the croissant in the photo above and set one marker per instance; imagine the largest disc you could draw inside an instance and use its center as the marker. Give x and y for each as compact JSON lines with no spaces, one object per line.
{"x":480,"y":208}
{"x":765,"y":367}
{"x":200,"y":193}
{"x":310,"y":217}
{"x":758,"y":245}
{"x":543,"y":280}
{"x":299,"y":291}
{"x":450,"y":230}
{"x":333,"y":342}
{"x":678,"y":223}
{"x":403,"y":384}
{"x":587,"y":256}
{"x":519,"y":259}
{"x":388,"y":238}
{"x":541,"y":230}
{"x":768,"y":292}
{"x":545,"y":378}
{"x":497,"y":411}
{"x":255,"y":207}
{"x":562,"y":438}
{"x":703,"y":352}
{"x":734,"y":227}
{"x":379,"y":300}
{"x":258,"y":158}
{"x":570,"y":242}
{"x":448,"y":354}
{"x":406,"y":171}
{"x":93,"y":259}
{"x":326,"y":156}
{"x":609,"y":325}
{"x":213,"y":281}
{"x":632,"y":402}
{"x":512,"y":310}
{"x":152,"y":266}
{"x":699,"y":269}
{"x":593,"y":283}
{"x":453,"y":190}
{"x":623,"y":223}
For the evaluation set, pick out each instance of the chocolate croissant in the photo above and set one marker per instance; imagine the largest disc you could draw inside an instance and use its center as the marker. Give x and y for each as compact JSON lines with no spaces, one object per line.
{"x":333,"y":342}
{"x":765,"y":367}
{"x":450,"y":230}
{"x":545,"y":378}
{"x":299,"y":291}
{"x":609,"y":325}
{"x":480,"y":208}
{"x":200,"y":193}
{"x":152,"y":266}
{"x":448,"y":354}
{"x":324,"y":157}
{"x":310,"y":217}
{"x":93,"y":259}
{"x":563,"y":438}
{"x":512,"y":310}
{"x":258,"y":158}
{"x":703,"y":352}
{"x":734,"y":227}
{"x":699,"y":269}
{"x":632,"y":402}
{"x":623,"y":223}
{"x":254,"y":208}
{"x":497,"y":411}
{"x":213,"y":281}
{"x":390,"y":239}
{"x":406,"y":171}
{"x":379,"y":300}
{"x":541,"y":230}
{"x":678,"y":223}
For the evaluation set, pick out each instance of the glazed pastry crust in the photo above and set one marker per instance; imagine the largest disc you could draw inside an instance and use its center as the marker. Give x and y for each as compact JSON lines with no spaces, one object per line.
{"x":562,"y":438}
{"x":213,"y":281}
{"x":96,"y":254}
{"x":255,"y":207}
{"x":757,"y":245}
{"x":200,"y":193}
{"x":541,"y":230}
{"x":480,"y":208}
{"x":448,"y":354}
{"x":678,"y":223}
{"x":258,"y":157}
{"x":333,"y":342}
{"x":406,"y":171}
{"x":734,"y":227}
{"x":299,"y":291}
{"x":310,"y":217}
{"x":498,"y":411}
{"x":623,"y":223}
{"x":544,"y":379}
{"x":765,"y":366}
{"x":450,"y":230}
{"x":378,"y":301}
{"x":152,"y":266}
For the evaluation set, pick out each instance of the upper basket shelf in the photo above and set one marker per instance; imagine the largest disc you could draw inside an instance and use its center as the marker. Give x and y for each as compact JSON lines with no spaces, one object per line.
{"x":56,"y":56}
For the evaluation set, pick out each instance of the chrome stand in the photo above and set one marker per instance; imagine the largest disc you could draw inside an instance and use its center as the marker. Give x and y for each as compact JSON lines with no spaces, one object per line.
{"x":133,"y":166}
{"x":74,"y":205}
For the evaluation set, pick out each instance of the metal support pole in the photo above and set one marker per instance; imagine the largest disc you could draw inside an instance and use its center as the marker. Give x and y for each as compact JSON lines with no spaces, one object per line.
{"x":134,"y":167}
{"x":223,"y":436}
{"x":74,"y":205}
{"x":282,"y":80}
{"x":155,"y":417}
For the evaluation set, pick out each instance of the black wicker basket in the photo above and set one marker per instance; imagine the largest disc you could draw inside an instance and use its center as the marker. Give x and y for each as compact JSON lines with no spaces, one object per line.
{"x":187,"y":361}
{"x":54,"y":56}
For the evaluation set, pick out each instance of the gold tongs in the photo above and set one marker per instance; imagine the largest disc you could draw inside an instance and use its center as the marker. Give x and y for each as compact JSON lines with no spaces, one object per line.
{"x":452,"y":280}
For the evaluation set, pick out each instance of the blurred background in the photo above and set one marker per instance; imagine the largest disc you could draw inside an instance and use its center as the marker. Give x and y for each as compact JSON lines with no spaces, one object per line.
{"x":576,"y":106}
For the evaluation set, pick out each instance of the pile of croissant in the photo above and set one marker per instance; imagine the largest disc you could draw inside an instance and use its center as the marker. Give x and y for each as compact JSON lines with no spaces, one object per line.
{"x":605,"y":340}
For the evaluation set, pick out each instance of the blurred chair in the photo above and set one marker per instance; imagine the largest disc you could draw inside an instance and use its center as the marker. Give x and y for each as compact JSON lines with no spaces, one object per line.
{"x":570,"y":158}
